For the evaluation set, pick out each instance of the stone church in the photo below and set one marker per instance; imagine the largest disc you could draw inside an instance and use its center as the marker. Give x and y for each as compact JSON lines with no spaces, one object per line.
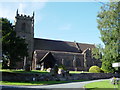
{"x":45,"y":53}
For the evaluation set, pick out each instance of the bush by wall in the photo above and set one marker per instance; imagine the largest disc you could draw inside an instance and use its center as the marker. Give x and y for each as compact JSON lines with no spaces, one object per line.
{"x":62,"y":67}
{"x":95,"y":69}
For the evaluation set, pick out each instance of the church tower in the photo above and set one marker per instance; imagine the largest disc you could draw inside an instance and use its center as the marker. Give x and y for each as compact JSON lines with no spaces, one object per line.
{"x":24,"y":27}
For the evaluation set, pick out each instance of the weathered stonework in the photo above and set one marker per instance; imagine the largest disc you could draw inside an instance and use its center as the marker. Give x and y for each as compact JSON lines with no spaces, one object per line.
{"x":24,"y":27}
{"x":6,"y":76}
{"x":73,"y":55}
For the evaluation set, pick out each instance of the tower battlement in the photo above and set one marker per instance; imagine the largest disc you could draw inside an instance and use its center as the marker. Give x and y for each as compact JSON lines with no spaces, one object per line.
{"x":22,"y":16}
{"x":24,"y":28}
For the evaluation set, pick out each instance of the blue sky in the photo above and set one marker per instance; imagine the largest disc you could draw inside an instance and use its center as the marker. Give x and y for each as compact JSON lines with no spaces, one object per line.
{"x":66,"y":21}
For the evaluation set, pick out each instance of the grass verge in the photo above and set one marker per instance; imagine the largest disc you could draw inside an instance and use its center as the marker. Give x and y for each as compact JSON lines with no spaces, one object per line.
{"x":100,"y":84}
{"x":38,"y":82}
{"x":32,"y":82}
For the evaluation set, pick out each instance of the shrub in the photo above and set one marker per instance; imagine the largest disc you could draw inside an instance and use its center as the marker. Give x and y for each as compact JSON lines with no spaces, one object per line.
{"x":105,"y":71}
{"x":95,"y":69}
{"x":107,"y":67}
{"x":62,"y":67}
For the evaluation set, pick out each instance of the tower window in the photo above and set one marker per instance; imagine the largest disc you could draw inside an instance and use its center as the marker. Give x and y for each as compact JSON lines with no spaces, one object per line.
{"x":23,"y":26}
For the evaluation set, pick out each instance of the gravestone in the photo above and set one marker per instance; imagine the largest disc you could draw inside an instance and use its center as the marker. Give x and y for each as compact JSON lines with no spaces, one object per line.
{"x":49,"y":69}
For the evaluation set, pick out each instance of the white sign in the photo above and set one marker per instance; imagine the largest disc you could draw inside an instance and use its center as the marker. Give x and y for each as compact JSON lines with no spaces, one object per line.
{"x":116,"y":64}
{"x":1,"y":61}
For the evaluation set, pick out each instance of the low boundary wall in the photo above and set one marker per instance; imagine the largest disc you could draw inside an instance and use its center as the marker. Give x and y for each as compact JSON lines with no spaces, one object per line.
{"x":7,"y":76}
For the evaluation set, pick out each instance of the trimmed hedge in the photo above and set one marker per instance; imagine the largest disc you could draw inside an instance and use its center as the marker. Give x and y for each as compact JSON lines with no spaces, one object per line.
{"x":95,"y":69}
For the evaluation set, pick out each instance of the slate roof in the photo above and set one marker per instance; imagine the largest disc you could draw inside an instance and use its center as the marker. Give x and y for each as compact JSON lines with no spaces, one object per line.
{"x":85,"y":46}
{"x":55,"y":45}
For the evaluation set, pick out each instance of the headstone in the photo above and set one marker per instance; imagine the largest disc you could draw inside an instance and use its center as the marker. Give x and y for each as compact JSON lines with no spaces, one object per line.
{"x":42,"y":68}
{"x":60,"y":71}
{"x":49,"y":69}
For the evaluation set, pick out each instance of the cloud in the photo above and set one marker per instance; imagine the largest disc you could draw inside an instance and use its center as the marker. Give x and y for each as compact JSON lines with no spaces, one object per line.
{"x":21,"y":8}
{"x":8,"y":9}
{"x":24,"y":0}
{"x":65,"y":27}
{"x":55,"y":0}
{"x":6,"y":13}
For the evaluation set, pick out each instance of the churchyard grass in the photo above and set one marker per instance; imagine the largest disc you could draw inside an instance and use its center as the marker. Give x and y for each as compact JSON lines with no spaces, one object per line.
{"x":22,"y":71}
{"x":77,"y":72}
{"x":100,"y":84}
{"x":38,"y":82}
{"x":38,"y":71}
{"x":32,"y":82}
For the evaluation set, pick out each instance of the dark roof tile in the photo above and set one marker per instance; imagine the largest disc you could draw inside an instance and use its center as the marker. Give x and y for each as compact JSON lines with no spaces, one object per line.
{"x":54,"y":45}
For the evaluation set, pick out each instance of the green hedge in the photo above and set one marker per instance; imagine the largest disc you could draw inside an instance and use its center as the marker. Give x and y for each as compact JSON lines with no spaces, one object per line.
{"x":95,"y":69}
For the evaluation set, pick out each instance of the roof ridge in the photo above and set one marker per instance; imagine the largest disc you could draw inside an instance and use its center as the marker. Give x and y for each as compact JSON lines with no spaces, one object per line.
{"x":63,"y":41}
{"x":54,"y":40}
{"x":59,"y":51}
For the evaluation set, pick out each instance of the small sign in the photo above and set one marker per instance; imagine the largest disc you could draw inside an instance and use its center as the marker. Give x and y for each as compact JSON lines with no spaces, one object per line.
{"x":116,"y":64}
{"x":1,"y":61}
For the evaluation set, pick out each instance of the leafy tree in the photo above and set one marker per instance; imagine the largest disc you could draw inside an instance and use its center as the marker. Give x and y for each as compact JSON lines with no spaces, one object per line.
{"x":109,"y":26}
{"x":13,"y":48}
{"x":97,"y":52}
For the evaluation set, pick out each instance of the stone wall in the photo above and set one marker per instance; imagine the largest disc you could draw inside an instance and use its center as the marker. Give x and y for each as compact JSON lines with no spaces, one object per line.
{"x":24,"y":28}
{"x":65,"y":58}
{"x":7,"y":76}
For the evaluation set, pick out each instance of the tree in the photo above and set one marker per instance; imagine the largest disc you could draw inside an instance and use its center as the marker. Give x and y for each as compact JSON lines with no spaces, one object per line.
{"x":109,"y":26}
{"x":13,"y":48}
{"x":97,"y":52}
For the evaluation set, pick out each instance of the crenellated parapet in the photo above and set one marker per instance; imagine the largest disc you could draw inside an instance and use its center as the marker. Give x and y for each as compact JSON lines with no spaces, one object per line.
{"x":22,"y":16}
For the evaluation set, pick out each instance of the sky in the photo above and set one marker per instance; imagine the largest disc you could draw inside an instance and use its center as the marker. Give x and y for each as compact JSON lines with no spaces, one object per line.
{"x":66,"y":21}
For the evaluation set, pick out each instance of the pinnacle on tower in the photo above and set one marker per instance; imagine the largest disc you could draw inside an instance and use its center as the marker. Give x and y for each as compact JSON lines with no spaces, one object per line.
{"x":17,"y":12}
{"x":33,"y":14}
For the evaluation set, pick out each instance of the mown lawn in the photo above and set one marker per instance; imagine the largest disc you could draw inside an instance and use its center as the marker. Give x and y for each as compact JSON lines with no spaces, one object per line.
{"x":37,"y":82}
{"x":32,"y":82}
{"x":37,"y":71}
{"x":100,"y":84}
{"x":22,"y":71}
{"x":77,"y":72}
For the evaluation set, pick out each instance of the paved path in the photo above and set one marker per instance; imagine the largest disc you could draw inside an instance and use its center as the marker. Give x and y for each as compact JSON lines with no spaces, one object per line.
{"x":65,"y":85}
